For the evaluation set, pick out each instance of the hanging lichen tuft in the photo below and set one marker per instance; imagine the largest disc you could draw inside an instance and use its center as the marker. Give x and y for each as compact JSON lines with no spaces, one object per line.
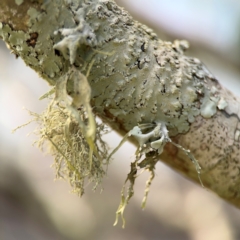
{"x":67,"y":144}
{"x":69,"y":130}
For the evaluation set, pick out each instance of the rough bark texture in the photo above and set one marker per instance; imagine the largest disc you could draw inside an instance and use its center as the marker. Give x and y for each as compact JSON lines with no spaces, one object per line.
{"x":135,"y":79}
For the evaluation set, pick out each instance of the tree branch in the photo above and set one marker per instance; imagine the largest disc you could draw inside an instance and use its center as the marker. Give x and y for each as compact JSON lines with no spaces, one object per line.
{"x":136,"y":80}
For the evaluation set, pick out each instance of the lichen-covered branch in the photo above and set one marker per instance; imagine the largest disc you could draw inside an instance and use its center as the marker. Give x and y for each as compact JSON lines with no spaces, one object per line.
{"x":165,"y":101}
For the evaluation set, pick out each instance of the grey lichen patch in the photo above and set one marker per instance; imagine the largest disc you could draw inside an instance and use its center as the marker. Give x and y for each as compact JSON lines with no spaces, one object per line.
{"x":19,"y":2}
{"x":222,"y":103}
{"x":73,"y":38}
{"x":211,"y":101}
{"x":209,"y":108}
{"x":156,"y":82}
{"x":39,"y":53}
{"x":144,"y":81}
{"x":34,"y":14}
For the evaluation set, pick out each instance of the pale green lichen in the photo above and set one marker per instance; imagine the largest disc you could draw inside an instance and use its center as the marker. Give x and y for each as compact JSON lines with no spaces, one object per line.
{"x":63,"y":137}
{"x":222,"y":103}
{"x":69,"y":130}
{"x":147,"y":80}
{"x":211,"y":101}
{"x":19,"y":2}
{"x":73,"y":38}
{"x":41,"y":56}
{"x":151,"y":140}
{"x":209,"y":108}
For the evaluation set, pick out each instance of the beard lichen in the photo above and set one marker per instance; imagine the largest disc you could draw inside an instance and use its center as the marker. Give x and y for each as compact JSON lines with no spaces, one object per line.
{"x":148,"y":164}
{"x":69,"y":147}
{"x":72,"y":136}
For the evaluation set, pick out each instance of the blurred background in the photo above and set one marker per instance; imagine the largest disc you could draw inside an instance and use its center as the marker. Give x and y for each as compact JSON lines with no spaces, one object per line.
{"x":33,"y":206}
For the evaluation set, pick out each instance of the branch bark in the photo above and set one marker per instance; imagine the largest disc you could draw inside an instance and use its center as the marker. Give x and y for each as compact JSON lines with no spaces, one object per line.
{"x":135,"y":79}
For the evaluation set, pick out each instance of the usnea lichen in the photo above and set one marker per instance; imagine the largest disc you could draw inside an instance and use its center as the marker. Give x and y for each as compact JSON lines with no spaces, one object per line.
{"x":67,"y":127}
{"x":68,"y":145}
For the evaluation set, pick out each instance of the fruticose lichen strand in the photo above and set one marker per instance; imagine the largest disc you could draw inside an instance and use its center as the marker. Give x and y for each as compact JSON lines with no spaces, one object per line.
{"x":67,"y":143}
